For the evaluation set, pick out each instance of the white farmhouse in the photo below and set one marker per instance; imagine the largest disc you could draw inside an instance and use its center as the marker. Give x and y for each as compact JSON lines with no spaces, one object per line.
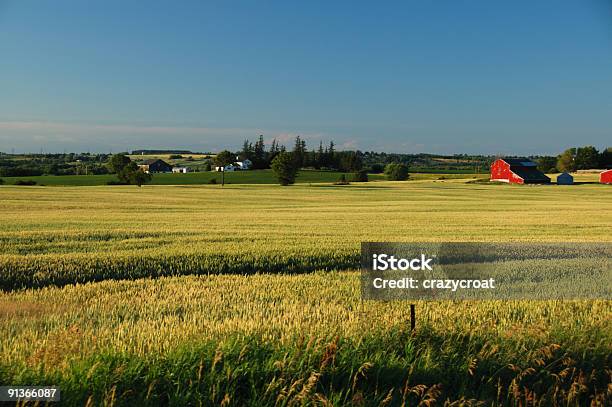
{"x":245,"y":164}
{"x":181,"y":170}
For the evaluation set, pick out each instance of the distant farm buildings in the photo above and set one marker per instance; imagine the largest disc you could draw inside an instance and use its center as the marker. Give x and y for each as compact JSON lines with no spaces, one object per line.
{"x":517,"y":171}
{"x":565,"y":179}
{"x":155,"y":165}
{"x":237,"y":166}
{"x":606,"y":177}
{"x":226,"y":168}
{"x":245,"y":164}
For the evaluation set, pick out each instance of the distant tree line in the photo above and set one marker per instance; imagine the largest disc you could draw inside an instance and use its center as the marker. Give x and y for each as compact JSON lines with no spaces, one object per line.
{"x":27,"y":165}
{"x":286,"y":164}
{"x":324,"y":157}
{"x":163,"y":152}
{"x":572,"y":159}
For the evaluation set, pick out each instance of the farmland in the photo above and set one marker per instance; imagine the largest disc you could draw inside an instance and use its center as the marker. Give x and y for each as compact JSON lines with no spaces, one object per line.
{"x":194,"y":178}
{"x":237,"y":177}
{"x":251,"y":301}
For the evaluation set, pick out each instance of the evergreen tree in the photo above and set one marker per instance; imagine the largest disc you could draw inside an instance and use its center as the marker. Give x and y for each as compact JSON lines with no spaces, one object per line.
{"x":319,"y":156}
{"x":259,"y":154}
{"x":303,"y":148}
{"x":309,"y":160}
{"x":299,"y":152}
{"x":274,"y":147}
{"x":331,"y":155}
{"x":605,"y":158}
{"x":274,"y":150}
{"x":247,"y":151}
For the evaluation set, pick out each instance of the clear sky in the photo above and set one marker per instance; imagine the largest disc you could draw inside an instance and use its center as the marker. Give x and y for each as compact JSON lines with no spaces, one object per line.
{"x":440,"y":76}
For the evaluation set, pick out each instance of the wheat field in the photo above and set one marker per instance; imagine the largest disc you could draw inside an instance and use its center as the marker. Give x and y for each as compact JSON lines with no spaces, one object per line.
{"x":243,"y":295}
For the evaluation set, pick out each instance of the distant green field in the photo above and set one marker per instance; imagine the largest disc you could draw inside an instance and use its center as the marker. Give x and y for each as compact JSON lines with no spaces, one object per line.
{"x":194,"y":178}
{"x":256,"y":177}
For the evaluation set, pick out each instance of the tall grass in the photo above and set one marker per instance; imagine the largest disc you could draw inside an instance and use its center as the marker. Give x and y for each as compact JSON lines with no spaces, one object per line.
{"x":267,"y":339}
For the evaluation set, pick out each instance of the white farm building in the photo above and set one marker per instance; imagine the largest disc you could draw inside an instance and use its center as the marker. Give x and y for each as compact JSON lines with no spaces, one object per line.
{"x":181,"y":170}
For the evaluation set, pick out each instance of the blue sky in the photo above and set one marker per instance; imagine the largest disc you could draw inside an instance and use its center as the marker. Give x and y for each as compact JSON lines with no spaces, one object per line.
{"x":443,"y":76}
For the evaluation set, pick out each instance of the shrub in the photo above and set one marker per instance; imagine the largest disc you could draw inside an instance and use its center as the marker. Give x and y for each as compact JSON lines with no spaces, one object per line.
{"x":360,"y":176}
{"x":212,"y":181}
{"x":284,"y":167}
{"x":396,"y":172}
{"x":26,"y":182}
{"x":1,"y":181}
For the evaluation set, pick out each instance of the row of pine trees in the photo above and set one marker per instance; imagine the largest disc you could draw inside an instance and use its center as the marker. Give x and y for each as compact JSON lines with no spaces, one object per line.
{"x":324,"y":157}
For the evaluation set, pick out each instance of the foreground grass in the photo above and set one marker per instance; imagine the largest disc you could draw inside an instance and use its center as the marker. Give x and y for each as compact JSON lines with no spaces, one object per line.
{"x":279,"y":339}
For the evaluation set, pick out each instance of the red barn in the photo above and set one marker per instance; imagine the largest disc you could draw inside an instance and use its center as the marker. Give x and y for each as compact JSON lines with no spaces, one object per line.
{"x":517,"y":171}
{"x":606,"y":177}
